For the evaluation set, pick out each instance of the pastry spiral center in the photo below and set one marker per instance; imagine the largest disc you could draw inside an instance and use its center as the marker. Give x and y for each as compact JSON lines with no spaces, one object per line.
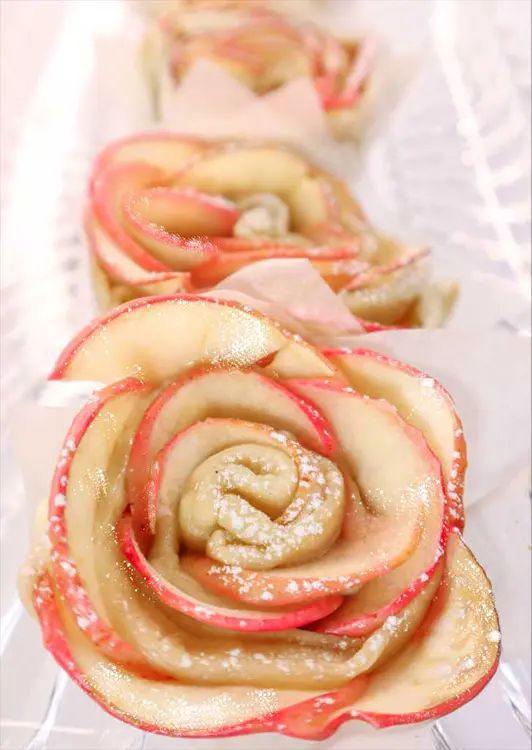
{"x":260,"y":507}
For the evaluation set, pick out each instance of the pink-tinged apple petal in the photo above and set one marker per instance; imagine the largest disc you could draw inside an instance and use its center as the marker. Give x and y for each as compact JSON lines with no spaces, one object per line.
{"x":445,"y":666}
{"x":388,"y":594}
{"x":108,"y":191}
{"x":153,"y":705}
{"x":356,"y":79}
{"x":374,"y":274}
{"x":452,"y":657}
{"x":167,"y":151}
{"x":387,"y":293}
{"x":139,"y":339}
{"x":225,"y":614}
{"x":121,"y":268}
{"x":313,"y":204}
{"x":365,"y":611}
{"x":65,"y":570}
{"x":220,"y":266}
{"x":174,"y":223}
{"x":239,"y":171}
{"x":422,"y":402}
{"x":237,"y":244}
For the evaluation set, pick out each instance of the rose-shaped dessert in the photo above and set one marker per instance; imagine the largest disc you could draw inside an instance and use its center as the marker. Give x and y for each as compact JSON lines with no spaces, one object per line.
{"x":247,"y":534}
{"x":264,"y":50}
{"x":169,"y":213}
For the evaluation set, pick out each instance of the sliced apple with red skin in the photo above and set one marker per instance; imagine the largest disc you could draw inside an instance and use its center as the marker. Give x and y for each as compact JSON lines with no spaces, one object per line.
{"x":128,"y":214}
{"x":252,"y":31}
{"x":108,"y":191}
{"x":338,"y":272}
{"x":69,"y":482}
{"x":316,"y":211}
{"x":247,"y":169}
{"x":183,"y":211}
{"x":220,"y":266}
{"x":386,"y":293}
{"x":258,"y":42}
{"x":159,"y":706}
{"x":451,"y":658}
{"x":158,"y":338}
{"x":122,"y":269}
{"x":237,"y":244}
{"x":388,"y":594}
{"x":312,"y":203}
{"x":375,"y":275}
{"x":423,"y":402}
{"x":239,"y":62}
{"x":220,"y":393}
{"x":366,"y":610}
{"x":167,"y":151}
{"x":222,"y":613}
{"x":355,"y":80}
{"x":396,"y":482}
{"x":426,"y":405}
{"x":447,"y":663}
{"x":174,"y":223}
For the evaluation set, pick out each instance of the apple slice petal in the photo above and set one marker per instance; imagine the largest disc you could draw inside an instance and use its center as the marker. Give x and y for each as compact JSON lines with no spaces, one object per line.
{"x":385,"y":293}
{"x":449,"y":661}
{"x":366,"y":610}
{"x":157,"y":706}
{"x":338,"y":272}
{"x":243,"y":170}
{"x":175,"y":709}
{"x":313,"y":203}
{"x":222,"y":613}
{"x":120,"y":267}
{"x":174,"y":223}
{"x":453,"y":656}
{"x":139,"y":339}
{"x":219,"y":266}
{"x":422,"y":402}
{"x":69,"y":519}
{"x":356,"y":78}
{"x":165,"y":151}
{"x":108,"y":192}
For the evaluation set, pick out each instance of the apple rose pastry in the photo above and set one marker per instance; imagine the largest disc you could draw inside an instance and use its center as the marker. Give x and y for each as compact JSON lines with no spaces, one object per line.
{"x":264,"y":49}
{"x":247,"y":534}
{"x":168,"y":213}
